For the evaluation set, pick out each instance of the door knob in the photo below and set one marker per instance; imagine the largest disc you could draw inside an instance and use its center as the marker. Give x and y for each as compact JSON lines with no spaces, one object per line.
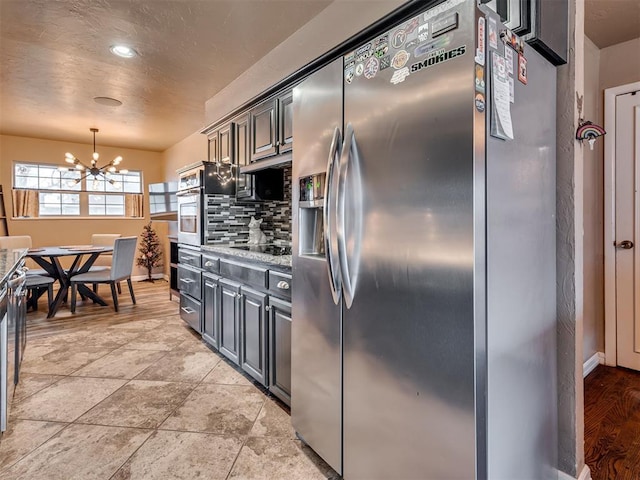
{"x":625,"y":244}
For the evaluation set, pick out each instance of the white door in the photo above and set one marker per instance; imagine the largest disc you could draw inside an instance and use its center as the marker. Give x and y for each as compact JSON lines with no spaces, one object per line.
{"x":627,"y":235}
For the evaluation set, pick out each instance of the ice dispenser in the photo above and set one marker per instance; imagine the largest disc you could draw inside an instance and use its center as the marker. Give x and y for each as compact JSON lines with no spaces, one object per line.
{"x":311,"y":215}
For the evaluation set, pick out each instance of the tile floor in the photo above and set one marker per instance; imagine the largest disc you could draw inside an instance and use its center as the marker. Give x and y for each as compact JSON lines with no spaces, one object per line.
{"x":146,"y":400}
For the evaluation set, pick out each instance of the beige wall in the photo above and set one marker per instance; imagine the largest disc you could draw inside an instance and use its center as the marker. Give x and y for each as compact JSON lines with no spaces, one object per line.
{"x":593,"y":209}
{"x":189,"y":150}
{"x":45,"y":232}
{"x":610,"y":67}
{"x":620,"y":64}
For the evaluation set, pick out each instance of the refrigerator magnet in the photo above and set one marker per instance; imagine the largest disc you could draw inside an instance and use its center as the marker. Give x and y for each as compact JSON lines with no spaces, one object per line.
{"x":493,"y":33}
{"x":480,"y":50}
{"x":522,"y":69}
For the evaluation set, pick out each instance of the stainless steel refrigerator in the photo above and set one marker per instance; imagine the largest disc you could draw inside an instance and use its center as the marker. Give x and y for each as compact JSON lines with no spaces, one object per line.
{"x":424,"y":313}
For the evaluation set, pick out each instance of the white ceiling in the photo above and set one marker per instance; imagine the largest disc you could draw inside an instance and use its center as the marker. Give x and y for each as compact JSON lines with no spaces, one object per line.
{"x":608,"y":22}
{"x":55,"y":59}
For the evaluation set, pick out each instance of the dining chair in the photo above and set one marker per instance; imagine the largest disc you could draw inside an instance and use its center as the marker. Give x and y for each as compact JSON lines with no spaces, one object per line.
{"x":103,"y":262}
{"x":13,"y":242}
{"x":124,"y":250}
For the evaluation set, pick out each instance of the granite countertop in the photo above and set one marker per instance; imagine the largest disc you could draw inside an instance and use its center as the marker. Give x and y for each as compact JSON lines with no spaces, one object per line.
{"x":9,"y":260}
{"x":283,"y":262}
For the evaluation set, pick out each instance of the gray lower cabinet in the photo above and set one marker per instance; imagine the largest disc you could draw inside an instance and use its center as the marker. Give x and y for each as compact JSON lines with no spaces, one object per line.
{"x":211,"y":311}
{"x":229,"y":333}
{"x":280,"y":349}
{"x":253,"y":325}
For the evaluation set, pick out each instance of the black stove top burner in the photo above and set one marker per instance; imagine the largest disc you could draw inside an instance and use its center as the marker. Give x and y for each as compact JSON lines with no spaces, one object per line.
{"x":269,"y":249}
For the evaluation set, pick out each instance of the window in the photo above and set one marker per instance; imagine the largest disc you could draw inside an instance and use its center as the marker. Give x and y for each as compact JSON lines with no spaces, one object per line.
{"x":65,"y":193}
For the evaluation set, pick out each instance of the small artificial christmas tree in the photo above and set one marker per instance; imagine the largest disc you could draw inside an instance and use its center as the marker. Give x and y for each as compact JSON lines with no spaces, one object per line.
{"x":150,"y":252}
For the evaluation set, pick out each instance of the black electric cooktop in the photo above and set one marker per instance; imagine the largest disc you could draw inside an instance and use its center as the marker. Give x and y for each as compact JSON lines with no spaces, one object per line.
{"x":266,"y":248}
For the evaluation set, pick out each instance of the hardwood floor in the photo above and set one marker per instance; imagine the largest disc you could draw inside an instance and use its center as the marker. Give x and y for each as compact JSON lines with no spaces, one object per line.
{"x":152,"y":302}
{"x":612,"y":423}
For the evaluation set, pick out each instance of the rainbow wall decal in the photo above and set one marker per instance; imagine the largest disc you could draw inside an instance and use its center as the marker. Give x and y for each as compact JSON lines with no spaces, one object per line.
{"x":589,"y":131}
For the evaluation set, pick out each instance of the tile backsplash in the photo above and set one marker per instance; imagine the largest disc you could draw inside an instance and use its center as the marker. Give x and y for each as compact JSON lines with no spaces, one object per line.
{"x":227,"y":220}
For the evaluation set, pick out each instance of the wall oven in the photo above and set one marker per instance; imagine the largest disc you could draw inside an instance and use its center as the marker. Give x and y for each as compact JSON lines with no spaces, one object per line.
{"x":190,"y":217}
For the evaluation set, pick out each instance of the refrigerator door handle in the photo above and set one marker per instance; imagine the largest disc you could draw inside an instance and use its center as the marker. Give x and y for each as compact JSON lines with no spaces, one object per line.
{"x":330,"y":217}
{"x":350,"y":203}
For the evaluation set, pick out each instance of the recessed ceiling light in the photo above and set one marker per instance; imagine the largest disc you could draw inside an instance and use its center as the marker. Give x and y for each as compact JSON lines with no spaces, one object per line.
{"x":111,"y":102}
{"x":123,"y":51}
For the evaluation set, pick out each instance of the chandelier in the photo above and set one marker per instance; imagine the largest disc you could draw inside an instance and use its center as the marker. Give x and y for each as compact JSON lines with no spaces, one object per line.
{"x":94,"y":170}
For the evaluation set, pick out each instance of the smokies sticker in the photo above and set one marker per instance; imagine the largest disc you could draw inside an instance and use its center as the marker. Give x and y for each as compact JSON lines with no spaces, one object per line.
{"x":440,"y":57}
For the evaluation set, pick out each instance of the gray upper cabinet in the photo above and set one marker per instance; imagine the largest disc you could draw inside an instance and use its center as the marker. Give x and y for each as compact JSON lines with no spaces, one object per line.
{"x":244,"y":185}
{"x":263,"y":130}
{"x":272,"y":127}
{"x":213,"y":146}
{"x":253,"y":324}
{"x":285,"y":122}
{"x":225,"y":144}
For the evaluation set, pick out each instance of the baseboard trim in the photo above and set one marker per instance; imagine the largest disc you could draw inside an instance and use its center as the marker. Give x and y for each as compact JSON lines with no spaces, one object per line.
{"x":585,"y":474}
{"x":155,"y":276}
{"x":591,"y":363}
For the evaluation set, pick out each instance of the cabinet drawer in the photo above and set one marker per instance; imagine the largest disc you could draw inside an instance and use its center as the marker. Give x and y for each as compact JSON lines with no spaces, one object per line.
{"x":280,"y":284}
{"x":190,"y":281}
{"x":188,"y":257}
{"x":190,"y":311}
{"x":250,"y":275}
{"x":210,"y":264}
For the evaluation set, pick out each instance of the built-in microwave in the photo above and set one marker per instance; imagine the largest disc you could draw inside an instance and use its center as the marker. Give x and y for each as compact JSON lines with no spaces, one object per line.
{"x":190,"y":216}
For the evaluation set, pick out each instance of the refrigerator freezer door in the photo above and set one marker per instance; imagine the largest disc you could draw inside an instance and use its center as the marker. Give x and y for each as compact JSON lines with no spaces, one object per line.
{"x":316,"y":354}
{"x":409,"y":334}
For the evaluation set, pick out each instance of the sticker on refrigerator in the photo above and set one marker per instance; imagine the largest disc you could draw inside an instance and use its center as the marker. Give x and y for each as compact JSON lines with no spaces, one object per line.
{"x":385,"y":62}
{"x":440,"y":57}
{"x":398,"y":39}
{"x":400,"y":59}
{"x":480,"y":50}
{"x":412,"y":25}
{"x":348,"y":58}
{"x":479,"y":102}
{"x":493,"y":33}
{"x":431,"y":47}
{"x":399,"y":76}
{"x":508,"y":57}
{"x":359,"y":69}
{"x":512,"y":90}
{"x":349,"y":73}
{"x":371,"y":68}
{"x":501,"y":126}
{"x":364,"y":52}
{"x":443,"y":7}
{"x":381,"y":50}
{"x":479,"y":78}
{"x":522,"y":68}
{"x":512,"y":40}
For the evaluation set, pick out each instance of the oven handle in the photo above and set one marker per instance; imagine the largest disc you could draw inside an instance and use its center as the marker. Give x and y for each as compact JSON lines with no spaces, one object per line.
{"x":190,"y":191}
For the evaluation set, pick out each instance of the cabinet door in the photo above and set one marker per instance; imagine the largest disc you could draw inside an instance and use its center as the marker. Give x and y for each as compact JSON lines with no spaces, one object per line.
{"x":211,"y":315}
{"x":254,"y":334}
{"x":280,"y":349}
{"x":244,"y":185}
{"x":229,"y":333}
{"x":213,"y":147}
{"x":285,"y":122}
{"x":263,"y":130}
{"x":225,"y":144}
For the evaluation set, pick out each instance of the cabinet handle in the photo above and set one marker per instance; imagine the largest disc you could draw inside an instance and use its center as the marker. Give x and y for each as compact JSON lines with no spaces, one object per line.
{"x":185,"y":259}
{"x":208,"y":264}
{"x":187,"y":310}
{"x":283,"y":285}
{"x":187,"y":280}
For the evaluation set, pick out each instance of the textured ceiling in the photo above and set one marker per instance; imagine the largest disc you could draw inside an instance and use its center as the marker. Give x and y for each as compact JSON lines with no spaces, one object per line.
{"x":54,"y":59}
{"x":608,"y":22}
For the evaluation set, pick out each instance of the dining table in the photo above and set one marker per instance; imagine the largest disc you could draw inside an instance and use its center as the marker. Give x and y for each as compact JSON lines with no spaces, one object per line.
{"x":84,"y":257}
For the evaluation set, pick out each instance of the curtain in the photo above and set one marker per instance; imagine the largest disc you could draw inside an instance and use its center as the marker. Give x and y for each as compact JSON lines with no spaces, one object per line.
{"x":26,"y":203}
{"x":133,"y":205}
